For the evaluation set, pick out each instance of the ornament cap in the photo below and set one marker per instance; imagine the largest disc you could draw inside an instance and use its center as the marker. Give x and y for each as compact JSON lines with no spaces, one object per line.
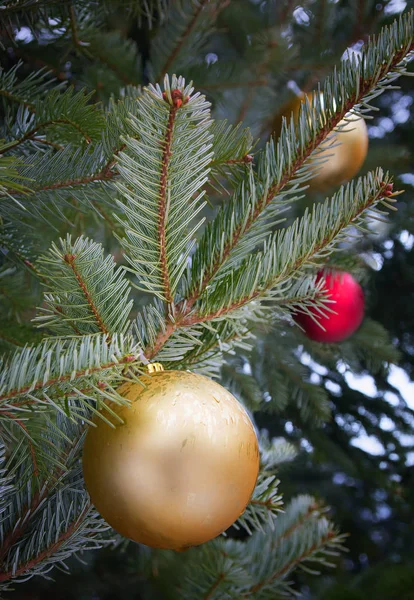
{"x":154,"y":368}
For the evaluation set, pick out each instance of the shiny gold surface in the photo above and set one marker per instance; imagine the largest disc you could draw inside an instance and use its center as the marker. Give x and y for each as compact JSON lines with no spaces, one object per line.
{"x":344,"y":160}
{"x":154,"y":367}
{"x":182,"y":467}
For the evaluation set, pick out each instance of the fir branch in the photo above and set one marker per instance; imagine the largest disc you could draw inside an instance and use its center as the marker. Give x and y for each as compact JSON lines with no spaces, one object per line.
{"x":198,"y":8}
{"x":71,"y":108}
{"x":223,"y":573}
{"x":94,"y":47}
{"x":25,"y":91}
{"x":56,"y":178}
{"x":300,"y":535}
{"x":270,"y":274}
{"x":264,"y":505}
{"x":15,"y":98}
{"x":232,"y":145}
{"x":383,"y":61}
{"x":74,"y":31}
{"x":210,"y":593}
{"x":183,"y":35}
{"x":28,"y":511}
{"x":291,"y":249}
{"x":70,"y":259}
{"x":161,"y":173}
{"x":11,"y":182}
{"x":21,"y":424}
{"x":76,"y":272}
{"x":48,"y":143}
{"x":20,"y":6}
{"x":105,"y":174}
{"x":45,"y":526}
{"x":52,"y":549}
{"x":21,"y":391}
{"x":60,"y":367}
{"x":290,"y":565}
{"x":31,"y":134}
{"x":274,"y":452}
{"x":312,"y":400}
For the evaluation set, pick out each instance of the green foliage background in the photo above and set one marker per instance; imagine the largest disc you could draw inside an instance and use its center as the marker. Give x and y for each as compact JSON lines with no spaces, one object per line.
{"x":243,"y":55}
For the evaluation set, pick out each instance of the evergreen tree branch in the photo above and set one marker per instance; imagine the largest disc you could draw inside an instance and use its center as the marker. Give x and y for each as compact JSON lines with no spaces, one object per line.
{"x":31,"y":134}
{"x":383,"y":61}
{"x":45,"y":525}
{"x":290,"y":565}
{"x":52,"y":549}
{"x":60,"y":367}
{"x":20,"y":6}
{"x":93,"y":49}
{"x":28,"y":512}
{"x":26,"y":91}
{"x":17,"y":99}
{"x":301,"y":534}
{"x":308,"y":239}
{"x":264,"y":505}
{"x":220,"y":578}
{"x":21,"y":424}
{"x":291,"y":250}
{"x":198,"y":8}
{"x":161,"y":173}
{"x":48,"y":143}
{"x":74,"y":31}
{"x":21,"y":391}
{"x":70,"y":260}
{"x":106,"y":172}
{"x":78,"y":272}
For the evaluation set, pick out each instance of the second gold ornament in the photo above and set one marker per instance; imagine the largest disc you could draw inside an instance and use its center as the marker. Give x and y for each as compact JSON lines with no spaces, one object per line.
{"x":343,"y":156}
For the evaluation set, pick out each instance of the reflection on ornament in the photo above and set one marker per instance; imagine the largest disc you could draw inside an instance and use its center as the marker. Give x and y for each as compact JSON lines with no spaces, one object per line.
{"x":182,"y":466}
{"x":347,"y":303}
{"x":340,"y":162}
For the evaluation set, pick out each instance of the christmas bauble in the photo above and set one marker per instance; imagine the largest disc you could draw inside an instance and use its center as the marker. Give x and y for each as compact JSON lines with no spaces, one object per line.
{"x":348,"y":306}
{"x":180,"y":469}
{"x":341,"y":162}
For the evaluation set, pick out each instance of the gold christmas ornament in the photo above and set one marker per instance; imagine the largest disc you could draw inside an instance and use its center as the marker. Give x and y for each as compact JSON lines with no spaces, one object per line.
{"x":180,"y":469}
{"x":344,"y":160}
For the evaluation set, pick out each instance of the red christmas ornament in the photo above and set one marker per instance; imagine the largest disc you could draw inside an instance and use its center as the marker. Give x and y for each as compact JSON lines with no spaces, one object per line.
{"x":349,"y":310}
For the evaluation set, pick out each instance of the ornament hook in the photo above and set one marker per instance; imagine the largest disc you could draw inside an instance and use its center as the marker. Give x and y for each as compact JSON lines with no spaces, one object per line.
{"x":154,"y":367}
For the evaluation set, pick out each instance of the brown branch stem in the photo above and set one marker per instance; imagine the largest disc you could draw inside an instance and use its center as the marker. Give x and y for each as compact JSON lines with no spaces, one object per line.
{"x":105,"y":174}
{"x":163,"y":201}
{"x":313,"y":509}
{"x":215,"y":585}
{"x":70,"y":260}
{"x":47,"y":143}
{"x":11,"y":340}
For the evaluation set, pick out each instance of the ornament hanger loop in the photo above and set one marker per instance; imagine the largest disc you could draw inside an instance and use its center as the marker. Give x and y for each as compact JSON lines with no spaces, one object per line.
{"x":154,"y":367}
